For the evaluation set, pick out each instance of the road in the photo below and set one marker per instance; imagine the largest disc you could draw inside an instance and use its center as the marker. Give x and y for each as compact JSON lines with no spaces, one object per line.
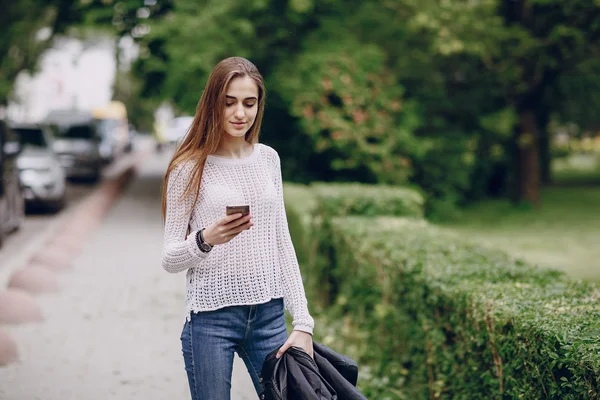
{"x":37,"y":221}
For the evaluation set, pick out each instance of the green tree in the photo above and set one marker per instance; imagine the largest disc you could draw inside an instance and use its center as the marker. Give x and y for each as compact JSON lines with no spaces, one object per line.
{"x":520,"y":48}
{"x":23,"y":38}
{"x":29,"y":27}
{"x":478,"y":77}
{"x":352,"y":108}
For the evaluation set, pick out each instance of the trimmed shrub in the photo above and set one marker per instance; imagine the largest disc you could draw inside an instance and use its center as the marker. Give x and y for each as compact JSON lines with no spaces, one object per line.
{"x":431,"y":316}
{"x":310,"y":217}
{"x":300,"y":204}
{"x":448,"y":319}
{"x":339,"y":199}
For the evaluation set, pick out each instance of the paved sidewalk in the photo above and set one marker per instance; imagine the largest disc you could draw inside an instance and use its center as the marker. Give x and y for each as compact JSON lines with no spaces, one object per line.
{"x":112,"y":332}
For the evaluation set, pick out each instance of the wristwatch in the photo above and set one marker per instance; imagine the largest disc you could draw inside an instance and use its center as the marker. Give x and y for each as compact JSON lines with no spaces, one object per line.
{"x":202,"y":245}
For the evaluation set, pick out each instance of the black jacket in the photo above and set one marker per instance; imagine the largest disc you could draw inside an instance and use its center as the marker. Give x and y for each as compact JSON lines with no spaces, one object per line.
{"x":296,"y":376}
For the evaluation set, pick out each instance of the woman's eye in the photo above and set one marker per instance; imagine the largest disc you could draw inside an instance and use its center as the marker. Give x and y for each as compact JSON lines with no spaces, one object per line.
{"x":229,"y":104}
{"x":249,"y":105}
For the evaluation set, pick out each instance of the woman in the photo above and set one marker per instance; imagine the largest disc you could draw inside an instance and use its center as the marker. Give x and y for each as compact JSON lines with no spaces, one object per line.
{"x":240,"y":270}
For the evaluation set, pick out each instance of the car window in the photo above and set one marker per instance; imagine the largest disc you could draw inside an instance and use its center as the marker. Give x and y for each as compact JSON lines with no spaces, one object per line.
{"x":31,"y":137}
{"x":74,"y":132}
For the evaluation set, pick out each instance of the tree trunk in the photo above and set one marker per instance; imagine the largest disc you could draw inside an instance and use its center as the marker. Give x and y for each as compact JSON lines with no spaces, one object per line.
{"x":513,"y":168}
{"x":528,"y":158}
{"x":544,"y":147}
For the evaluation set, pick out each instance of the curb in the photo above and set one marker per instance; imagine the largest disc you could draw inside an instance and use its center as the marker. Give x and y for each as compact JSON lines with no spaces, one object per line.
{"x":53,"y":251}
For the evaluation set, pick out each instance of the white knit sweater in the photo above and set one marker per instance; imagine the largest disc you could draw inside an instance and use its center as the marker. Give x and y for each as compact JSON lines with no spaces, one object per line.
{"x":256,"y":266}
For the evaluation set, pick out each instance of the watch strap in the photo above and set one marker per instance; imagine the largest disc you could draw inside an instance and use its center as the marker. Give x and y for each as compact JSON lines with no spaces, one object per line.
{"x":202,"y":238}
{"x":198,"y":240}
{"x":201,"y":243}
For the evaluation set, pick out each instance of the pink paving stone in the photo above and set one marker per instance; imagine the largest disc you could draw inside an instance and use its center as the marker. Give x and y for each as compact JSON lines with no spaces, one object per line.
{"x":17,"y":307}
{"x":78,"y":227}
{"x":69,"y":242}
{"x":49,"y":267}
{"x":84,"y":225}
{"x":91,"y":214}
{"x":65,"y":235}
{"x":34,"y":279}
{"x":54,"y":258}
{"x":108,"y":191}
{"x":82,"y":233}
{"x":99,"y":210}
{"x":81,"y":224}
{"x":105,"y":204}
{"x":67,"y":228}
{"x":8,"y":349}
{"x":93,"y":201}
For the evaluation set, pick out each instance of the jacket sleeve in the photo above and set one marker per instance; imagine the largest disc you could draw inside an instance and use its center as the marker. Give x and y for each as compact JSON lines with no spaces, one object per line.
{"x":294,"y":295}
{"x":180,"y":252}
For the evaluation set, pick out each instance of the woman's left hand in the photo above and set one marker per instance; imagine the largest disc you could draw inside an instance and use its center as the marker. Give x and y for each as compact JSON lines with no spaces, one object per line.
{"x":298,"y":339}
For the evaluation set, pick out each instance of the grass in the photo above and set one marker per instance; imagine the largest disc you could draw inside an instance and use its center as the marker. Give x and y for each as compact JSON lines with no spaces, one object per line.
{"x":563,"y":234}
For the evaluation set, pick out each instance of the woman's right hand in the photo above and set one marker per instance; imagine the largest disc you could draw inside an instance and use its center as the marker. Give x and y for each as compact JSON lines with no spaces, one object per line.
{"x":226,"y":229}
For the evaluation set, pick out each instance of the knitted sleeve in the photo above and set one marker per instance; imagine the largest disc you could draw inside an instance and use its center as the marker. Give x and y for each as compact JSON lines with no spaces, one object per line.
{"x":294,"y":296}
{"x":180,"y":252}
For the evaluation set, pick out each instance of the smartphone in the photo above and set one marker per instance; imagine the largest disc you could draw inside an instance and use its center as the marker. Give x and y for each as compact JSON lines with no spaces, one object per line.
{"x":245,"y":210}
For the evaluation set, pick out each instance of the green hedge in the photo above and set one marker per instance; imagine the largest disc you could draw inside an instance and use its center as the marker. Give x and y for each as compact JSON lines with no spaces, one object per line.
{"x":429,"y":315}
{"x":339,"y":199}
{"x":310,"y":216}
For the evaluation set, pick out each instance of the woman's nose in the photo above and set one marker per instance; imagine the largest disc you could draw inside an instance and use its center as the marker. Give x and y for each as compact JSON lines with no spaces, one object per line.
{"x":239,"y":112}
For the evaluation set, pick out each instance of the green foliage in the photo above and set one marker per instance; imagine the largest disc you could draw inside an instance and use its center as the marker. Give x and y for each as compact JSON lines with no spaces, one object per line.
{"x":315,"y":205}
{"x":443,"y":171}
{"x":140,"y":111}
{"x":392,"y":91}
{"x":578,"y":95}
{"x":303,"y":198}
{"x":429,"y":315}
{"x":337,"y":199}
{"x":185,"y":43}
{"x":349,"y":103}
{"x":20,"y":45}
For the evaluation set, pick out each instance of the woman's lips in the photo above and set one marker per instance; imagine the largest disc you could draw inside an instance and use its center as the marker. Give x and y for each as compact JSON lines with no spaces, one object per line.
{"x":238,"y":124}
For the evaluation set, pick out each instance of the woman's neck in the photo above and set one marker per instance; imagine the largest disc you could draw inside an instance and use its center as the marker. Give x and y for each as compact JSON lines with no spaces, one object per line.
{"x":232,"y":147}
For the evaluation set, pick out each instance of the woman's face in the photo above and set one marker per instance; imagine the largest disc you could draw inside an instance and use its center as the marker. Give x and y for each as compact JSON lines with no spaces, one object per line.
{"x":241,"y":106}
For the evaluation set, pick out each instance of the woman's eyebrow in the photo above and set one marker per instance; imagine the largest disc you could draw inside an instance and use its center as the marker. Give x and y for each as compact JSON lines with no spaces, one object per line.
{"x":235,"y":98}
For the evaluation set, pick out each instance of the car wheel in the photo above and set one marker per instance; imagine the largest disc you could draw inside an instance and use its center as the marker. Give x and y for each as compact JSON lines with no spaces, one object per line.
{"x":95,"y":177}
{"x":59,"y":204}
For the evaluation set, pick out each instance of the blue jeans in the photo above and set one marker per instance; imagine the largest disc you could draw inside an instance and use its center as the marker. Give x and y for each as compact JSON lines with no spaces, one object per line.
{"x":210,"y":339}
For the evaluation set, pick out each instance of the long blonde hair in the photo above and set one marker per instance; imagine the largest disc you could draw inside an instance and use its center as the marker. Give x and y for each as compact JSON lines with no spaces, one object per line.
{"x":207,"y":129}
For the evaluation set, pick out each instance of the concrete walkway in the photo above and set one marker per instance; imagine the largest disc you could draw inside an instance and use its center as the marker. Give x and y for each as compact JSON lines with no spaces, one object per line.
{"x":112,"y":332}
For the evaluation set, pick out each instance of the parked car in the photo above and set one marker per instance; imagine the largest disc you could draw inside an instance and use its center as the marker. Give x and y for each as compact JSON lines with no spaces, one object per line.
{"x":12,"y":204}
{"x":113,"y":127}
{"x":77,"y":143}
{"x":42,"y":177}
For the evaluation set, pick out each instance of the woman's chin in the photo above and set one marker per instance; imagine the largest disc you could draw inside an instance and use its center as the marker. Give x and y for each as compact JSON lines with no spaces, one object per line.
{"x":237,"y":134}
